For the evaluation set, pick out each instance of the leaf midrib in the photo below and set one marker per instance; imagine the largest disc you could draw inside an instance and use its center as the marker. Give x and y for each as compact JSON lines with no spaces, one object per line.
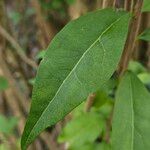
{"x":132,"y":111}
{"x":133,"y":116}
{"x":109,"y":27}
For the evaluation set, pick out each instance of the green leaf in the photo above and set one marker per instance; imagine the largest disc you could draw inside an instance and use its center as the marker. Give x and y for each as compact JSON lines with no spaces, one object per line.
{"x":106,"y":109}
{"x":91,"y":146}
{"x":30,"y":11}
{"x":102,"y":146}
{"x":145,"y":35}
{"x":146,"y":6}
{"x":105,"y":94}
{"x":3,"y":83}
{"x":131,"y":122}
{"x":4,"y":147}
{"x":86,"y":146}
{"x":56,"y":4}
{"x":69,"y":2}
{"x":7,"y":124}
{"x":79,"y":60}
{"x":136,"y":67}
{"x":100,"y":99}
{"x":144,"y":77}
{"x":15,"y":16}
{"x":79,"y":110}
{"x":41,"y":54}
{"x":31,"y":81}
{"x":86,"y":127}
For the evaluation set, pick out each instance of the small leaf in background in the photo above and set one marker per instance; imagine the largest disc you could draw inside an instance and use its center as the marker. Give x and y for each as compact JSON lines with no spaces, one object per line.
{"x":106,"y":94}
{"x":91,"y":146}
{"x":100,"y":99}
{"x":3,"y":83}
{"x":69,"y":2}
{"x":110,"y":85}
{"x":79,"y":60}
{"x":131,"y":120}
{"x":41,"y":54}
{"x":136,"y":67}
{"x":29,"y":12}
{"x":15,"y":16}
{"x":7,"y":124}
{"x":146,"y":6}
{"x":56,"y":4}
{"x":83,"y":129}
{"x":86,"y":146}
{"x":106,"y":109}
{"x":145,"y":35}
{"x":31,"y":81}
{"x":45,"y":5}
{"x":79,"y":110}
{"x":4,"y":147}
{"x":102,"y":146}
{"x":144,"y":77}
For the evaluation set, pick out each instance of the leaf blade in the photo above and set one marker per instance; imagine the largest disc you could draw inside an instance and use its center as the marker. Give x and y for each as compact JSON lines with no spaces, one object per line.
{"x":3,"y":83}
{"x":87,"y":55}
{"x":146,"y":6}
{"x":86,"y":135}
{"x":131,"y":115}
{"x":145,"y":35}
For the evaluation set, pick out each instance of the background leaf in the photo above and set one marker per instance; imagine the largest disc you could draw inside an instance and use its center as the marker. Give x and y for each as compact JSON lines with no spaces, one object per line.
{"x":7,"y":124}
{"x":41,"y":54}
{"x":145,"y":35}
{"x":131,"y":115}
{"x":145,"y":78}
{"x":146,"y":6}
{"x":92,"y":146}
{"x":79,"y":60}
{"x":82,"y":128}
{"x":3,"y":83}
{"x":136,"y":67}
{"x":15,"y":16}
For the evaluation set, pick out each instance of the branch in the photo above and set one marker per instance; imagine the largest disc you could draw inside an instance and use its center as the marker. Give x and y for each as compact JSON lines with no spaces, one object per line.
{"x":18,"y":48}
{"x":89,"y":102}
{"x":108,"y":3}
{"x":133,"y":33}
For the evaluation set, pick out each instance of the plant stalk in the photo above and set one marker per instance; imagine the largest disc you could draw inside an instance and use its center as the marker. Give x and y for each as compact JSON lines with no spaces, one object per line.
{"x":132,"y":35}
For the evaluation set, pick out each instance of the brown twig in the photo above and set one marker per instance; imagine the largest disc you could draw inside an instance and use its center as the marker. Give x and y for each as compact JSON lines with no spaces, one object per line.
{"x":89,"y":102}
{"x":118,"y":3}
{"x":18,"y":103}
{"x":77,"y":9}
{"x":107,"y":3}
{"x":99,"y":4}
{"x":108,"y":128}
{"x":131,"y":39}
{"x":9,"y":96}
{"x":18,"y":48}
{"x":22,"y":101}
{"x":46,"y":29}
{"x":127,"y":4}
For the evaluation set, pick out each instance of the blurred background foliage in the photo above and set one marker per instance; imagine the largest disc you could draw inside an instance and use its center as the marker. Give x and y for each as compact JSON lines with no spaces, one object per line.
{"x":26,"y":29}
